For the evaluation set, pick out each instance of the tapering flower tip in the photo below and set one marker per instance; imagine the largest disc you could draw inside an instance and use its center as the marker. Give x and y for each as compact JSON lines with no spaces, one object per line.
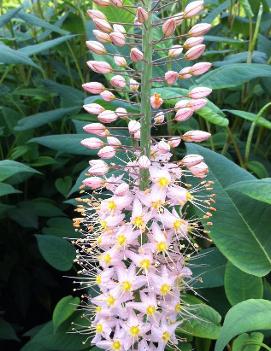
{"x":122,"y":189}
{"x":118,"y":3}
{"x":195,"y":52}
{"x":99,"y":67}
{"x":107,"y":152}
{"x":94,"y":182}
{"x":93,"y":87}
{"x":113,"y":141}
{"x":133,"y":126}
{"x":163,"y":147}
{"x":103,"y":25}
{"x":175,"y":51}
{"x":122,"y":113}
{"x":196,"y":136}
{"x":183,"y":114}
{"x":156,"y":101}
{"x":104,"y":3}
{"x":120,"y":61}
{"x":96,"y":129}
{"x":92,"y":143}
{"x":171,"y":77}
{"x":119,"y":28}
{"x":199,"y":29}
{"x":193,"y":41}
{"x":136,"y":55}
{"x":96,"y":14}
{"x":107,"y":116}
{"x":143,"y":162}
{"x":141,"y":15}
{"x":191,"y":160}
{"x":200,"y":68}
{"x":185,"y":73}
{"x":134,"y":85}
{"x":118,"y":38}
{"x":96,"y":47}
{"x":174,"y":142}
{"x":159,"y":118}
{"x":101,"y":36}
{"x":179,"y":17}
{"x":199,"y":92}
{"x":200,"y":170}
{"x":107,"y":96}
{"x":94,"y":109}
{"x":169,"y":27}
{"x":98,"y":167}
{"x":194,"y":8}
{"x":118,"y":81}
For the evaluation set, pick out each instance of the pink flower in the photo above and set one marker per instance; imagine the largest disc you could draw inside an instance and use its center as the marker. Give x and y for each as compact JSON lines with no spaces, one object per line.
{"x":196,"y":136}
{"x":193,"y":8}
{"x":96,"y":14}
{"x":169,"y":27}
{"x":120,"y":61}
{"x":136,"y":55}
{"x":92,"y":143}
{"x":99,"y":67}
{"x":134,"y":85}
{"x":107,"y":116}
{"x":94,"y":182}
{"x":94,"y":109}
{"x":98,"y":167}
{"x":191,"y":160}
{"x":199,"y":29}
{"x":113,"y":141}
{"x":118,"y":3}
{"x":118,"y":81}
{"x":104,"y":3}
{"x":183,"y":114}
{"x":159,"y":118}
{"x":107,"y":152}
{"x":144,"y":162}
{"x":102,"y":25}
{"x":107,"y":96}
{"x":97,"y":129}
{"x":93,"y":87}
{"x":171,"y":77}
{"x":191,"y":42}
{"x":118,"y":38}
{"x":175,"y":51}
{"x":200,"y":68}
{"x":141,"y":15}
{"x":185,"y":73}
{"x":122,"y":112}
{"x":101,"y":36}
{"x":199,"y":92}
{"x":96,"y":47}
{"x":133,"y":126}
{"x":195,"y":52}
{"x":199,"y":170}
{"x":156,"y":101}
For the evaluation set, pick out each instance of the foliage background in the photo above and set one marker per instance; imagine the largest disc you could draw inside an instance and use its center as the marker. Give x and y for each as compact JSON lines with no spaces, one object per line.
{"x":42,"y":56}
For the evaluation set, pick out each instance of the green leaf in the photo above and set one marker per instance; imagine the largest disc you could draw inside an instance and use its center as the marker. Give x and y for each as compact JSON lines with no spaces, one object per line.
{"x":241,"y":343}
{"x":8,"y":16}
{"x":64,"y":309}
{"x":258,"y":169}
{"x":210,"y":114}
{"x":39,"y":119}
{"x":11,"y":56}
{"x":233,"y":75}
{"x":6,"y":189}
{"x":261,"y":121}
{"x":238,"y":219}
{"x":114,"y":14}
{"x":240,"y":286}
{"x":259,"y":189}
{"x":6,"y":331}
{"x":246,"y":6}
{"x":9,"y":168}
{"x":63,"y":185}
{"x":58,"y":252}
{"x":250,"y":315}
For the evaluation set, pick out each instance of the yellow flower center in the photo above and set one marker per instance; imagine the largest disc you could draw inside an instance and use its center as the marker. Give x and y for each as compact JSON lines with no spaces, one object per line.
{"x":165,"y":289}
{"x":161,"y":246}
{"x":99,"y":328}
{"x":98,"y":309}
{"x":103,"y":224}
{"x":106,"y":258}
{"x":121,"y":239}
{"x":98,"y":279}
{"x":156,"y":204}
{"x":99,"y":240}
{"x":110,"y":301}
{"x":150,"y":310}
{"x":189,"y":196}
{"x":178,"y":308}
{"x":134,"y":330}
{"x":116,"y":345}
{"x":126,"y":286}
{"x":178,"y":223}
{"x":165,"y":336}
{"x":163,"y":181}
{"x":145,"y":264}
{"x":111,"y":205}
{"x":138,"y":222}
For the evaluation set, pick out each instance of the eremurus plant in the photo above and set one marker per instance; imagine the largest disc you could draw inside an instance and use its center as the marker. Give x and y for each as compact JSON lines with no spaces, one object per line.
{"x":137,"y":236}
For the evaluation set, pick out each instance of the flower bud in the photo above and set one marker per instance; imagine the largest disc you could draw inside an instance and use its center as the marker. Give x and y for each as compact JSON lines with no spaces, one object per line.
{"x":200,"y":170}
{"x":199,"y":29}
{"x":96,"y":129}
{"x":118,"y":81}
{"x":103,"y":25}
{"x":121,"y":189}
{"x":107,"y":96}
{"x":163,"y":147}
{"x":191,"y":160}
{"x":96,"y":47}
{"x":193,"y":8}
{"x":137,"y":135}
{"x":175,"y":51}
{"x":200,"y":68}
{"x":99,"y":66}
{"x":118,"y":38}
{"x":169,"y":27}
{"x":118,"y":3}
{"x":171,"y":77}
{"x":133,"y":126}
{"x":190,"y":42}
{"x":183,"y":114}
{"x":159,"y":118}
{"x":122,"y":112}
{"x":94,"y":109}
{"x":107,"y":116}
{"x":101,"y":36}
{"x":156,"y":101}
{"x":94,"y":182}
{"x":199,"y":92}
{"x":134,"y":85}
{"x":185,"y":73}
{"x":197,"y":104}
{"x":107,"y":152}
{"x":113,"y":141}
{"x":92,"y":143}
{"x":93,"y":87}
{"x":98,"y":167}
{"x":102,"y":2}
{"x":174,"y":142}
{"x":141,"y":15}
{"x":196,"y":136}
{"x":182,"y":104}
{"x":119,"y":28}
{"x":120,"y":61}
{"x":136,"y":55}
{"x":96,"y":14}
{"x":143,"y":162}
{"x":195,"y":52}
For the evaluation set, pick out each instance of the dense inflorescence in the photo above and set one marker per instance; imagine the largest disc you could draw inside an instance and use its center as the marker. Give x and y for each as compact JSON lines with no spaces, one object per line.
{"x":137,"y":221}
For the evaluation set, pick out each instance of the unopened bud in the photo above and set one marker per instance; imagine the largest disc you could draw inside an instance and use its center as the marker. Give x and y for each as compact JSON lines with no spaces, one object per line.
{"x":94,"y":182}
{"x":107,"y":116}
{"x":199,"y":92}
{"x":143,"y":162}
{"x":195,"y":52}
{"x":156,"y":101}
{"x":94,"y":109}
{"x":117,"y":38}
{"x":101,"y":36}
{"x":171,"y":77}
{"x":175,"y":51}
{"x":136,"y":55}
{"x":196,"y":136}
{"x":107,"y":152}
{"x":199,"y":29}
{"x":92,"y":143}
{"x":107,"y":96}
{"x":103,"y":25}
{"x":169,"y":27}
{"x":93,"y":87}
{"x":120,"y":61}
{"x":99,"y":66}
{"x":96,"y":47}
{"x":141,"y":15}
{"x":96,"y":129}
{"x":193,"y":8}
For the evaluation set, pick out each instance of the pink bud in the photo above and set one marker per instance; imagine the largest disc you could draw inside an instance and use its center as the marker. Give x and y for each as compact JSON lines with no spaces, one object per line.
{"x":199,"y":92}
{"x":169,"y":27}
{"x":159,"y":118}
{"x":190,"y":42}
{"x":134,"y":85}
{"x":94,"y":182}
{"x":93,"y":87}
{"x":191,"y":160}
{"x":197,"y":104}
{"x":107,"y":116}
{"x":121,"y":189}
{"x":179,"y":17}
{"x":185,"y":73}
{"x":96,"y":14}
{"x":156,"y":101}
{"x":119,"y":28}
{"x":113,"y":141}
{"x":196,"y":136}
{"x":98,"y":167}
{"x":101,"y":36}
{"x":120,"y":61}
{"x":200,"y":68}
{"x":199,"y":29}
{"x":92,"y":143}
{"x":94,"y":109}
{"x":102,"y":25}
{"x":96,"y":47}
{"x":107,"y":152}
{"x":137,"y":135}
{"x":200,"y":170}
{"x":163,"y":147}
{"x":107,"y":96}
{"x":102,"y":2}
{"x":122,"y":112}
{"x":182,"y":104}
{"x":118,"y":38}
{"x":136,"y":55}
{"x":133,"y":126}
{"x":118,"y":81}
{"x":193,"y":8}
{"x":118,"y":3}
{"x":171,"y":77}
{"x":143,"y":162}
{"x":195,"y":52}
{"x":142,"y":15}
{"x":99,"y":66}
{"x":183,"y":114}
{"x":174,"y":142}
{"x":96,"y":129}
{"x":175,"y":51}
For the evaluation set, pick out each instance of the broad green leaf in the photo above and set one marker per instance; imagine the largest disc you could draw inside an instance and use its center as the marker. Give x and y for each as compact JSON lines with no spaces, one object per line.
{"x":39,"y":119}
{"x":259,"y":189}
{"x":78,"y":182}
{"x":219,"y":39}
{"x":230,"y":76}
{"x":258,"y":168}
{"x":6,"y":331}
{"x":58,"y":252}
{"x":261,"y":121}
{"x":216,"y":11}
{"x":11,"y":56}
{"x":237,"y":231}
{"x":8,"y":16}
{"x":63,"y":185}
{"x":59,"y":226}
{"x":210,"y":115}
{"x":240,"y":286}
{"x":6,"y":189}
{"x":250,"y":315}
{"x":64,"y":309}
{"x":9,"y":168}
{"x":246,"y":6}
{"x":243,"y":341}
{"x":70,"y":96}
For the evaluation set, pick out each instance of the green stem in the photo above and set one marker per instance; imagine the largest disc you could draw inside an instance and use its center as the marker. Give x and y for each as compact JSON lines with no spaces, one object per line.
{"x":252,"y":42}
{"x":258,"y":344}
{"x":146,"y":85}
